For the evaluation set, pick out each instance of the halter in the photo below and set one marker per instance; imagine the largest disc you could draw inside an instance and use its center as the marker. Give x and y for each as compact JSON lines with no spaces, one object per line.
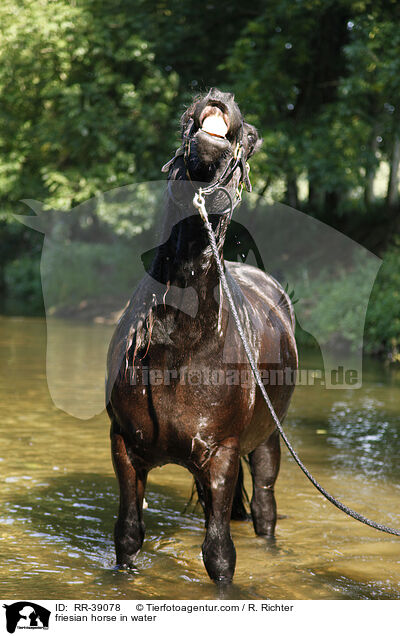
{"x":237,"y":160}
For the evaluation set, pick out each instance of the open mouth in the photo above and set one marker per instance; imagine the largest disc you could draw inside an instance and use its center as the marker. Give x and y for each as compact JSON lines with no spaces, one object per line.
{"x":214,"y":121}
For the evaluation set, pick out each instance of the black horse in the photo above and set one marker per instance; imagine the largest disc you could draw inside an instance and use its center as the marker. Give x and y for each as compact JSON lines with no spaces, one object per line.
{"x":164,"y":401}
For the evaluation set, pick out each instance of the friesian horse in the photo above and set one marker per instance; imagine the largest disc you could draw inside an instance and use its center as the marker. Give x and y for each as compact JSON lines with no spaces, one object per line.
{"x":177,"y":324}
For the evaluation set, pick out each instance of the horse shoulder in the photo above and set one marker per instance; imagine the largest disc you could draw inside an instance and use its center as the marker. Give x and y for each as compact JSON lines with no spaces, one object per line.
{"x":262,"y":291}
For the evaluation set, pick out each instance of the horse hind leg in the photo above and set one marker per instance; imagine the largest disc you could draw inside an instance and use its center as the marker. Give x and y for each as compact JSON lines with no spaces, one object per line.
{"x":239,"y":512}
{"x":129,"y":528}
{"x":218,"y":481}
{"x":264,"y":464}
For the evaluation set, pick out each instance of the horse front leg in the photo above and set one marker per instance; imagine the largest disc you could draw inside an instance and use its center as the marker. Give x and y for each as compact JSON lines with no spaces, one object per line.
{"x":218,"y":483}
{"x":264,"y":464}
{"x":129,"y":528}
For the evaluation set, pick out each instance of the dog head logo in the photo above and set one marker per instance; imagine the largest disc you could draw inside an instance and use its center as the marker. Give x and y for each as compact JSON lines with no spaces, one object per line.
{"x":26,"y":615}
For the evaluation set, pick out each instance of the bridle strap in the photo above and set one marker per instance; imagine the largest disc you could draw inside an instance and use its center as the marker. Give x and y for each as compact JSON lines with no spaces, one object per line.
{"x":236,"y":161}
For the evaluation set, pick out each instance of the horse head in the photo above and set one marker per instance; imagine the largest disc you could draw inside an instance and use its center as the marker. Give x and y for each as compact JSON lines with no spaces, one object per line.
{"x":216,"y":144}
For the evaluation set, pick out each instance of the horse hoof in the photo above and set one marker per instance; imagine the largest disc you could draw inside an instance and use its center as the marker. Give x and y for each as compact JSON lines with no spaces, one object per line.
{"x":223,"y":582}
{"x":125,"y":568}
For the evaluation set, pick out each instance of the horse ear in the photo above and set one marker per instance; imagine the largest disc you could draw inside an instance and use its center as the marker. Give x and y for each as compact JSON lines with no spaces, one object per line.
{"x":256,"y":147}
{"x":34,"y":222}
{"x":186,"y":117}
{"x":253,"y":140}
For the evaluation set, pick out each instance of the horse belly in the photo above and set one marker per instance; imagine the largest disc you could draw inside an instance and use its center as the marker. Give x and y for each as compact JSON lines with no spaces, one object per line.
{"x":184,"y":421}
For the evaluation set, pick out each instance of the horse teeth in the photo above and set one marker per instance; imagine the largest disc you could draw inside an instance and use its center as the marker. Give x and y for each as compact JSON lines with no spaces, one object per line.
{"x":215,"y":125}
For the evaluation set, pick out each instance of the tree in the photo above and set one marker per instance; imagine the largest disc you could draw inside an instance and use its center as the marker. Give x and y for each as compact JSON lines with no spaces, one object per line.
{"x":83,"y":106}
{"x":371,"y":90}
{"x":286,"y":65}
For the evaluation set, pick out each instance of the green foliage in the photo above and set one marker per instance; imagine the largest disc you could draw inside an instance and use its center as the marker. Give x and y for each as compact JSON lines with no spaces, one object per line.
{"x":83,"y":105}
{"x":16,"y":242}
{"x":382,"y":331}
{"x":334,"y":303}
{"x":75,"y":272}
{"x":285,"y":67}
{"x":22,"y":279}
{"x":332,"y":310}
{"x":323,"y":80}
{"x":130,"y":211}
{"x":90,"y":97}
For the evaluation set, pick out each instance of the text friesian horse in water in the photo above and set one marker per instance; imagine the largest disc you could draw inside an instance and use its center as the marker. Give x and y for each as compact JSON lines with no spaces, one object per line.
{"x":204,"y":426}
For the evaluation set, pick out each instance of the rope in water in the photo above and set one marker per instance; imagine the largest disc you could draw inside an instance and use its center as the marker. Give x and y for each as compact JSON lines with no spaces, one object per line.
{"x":199,"y":203}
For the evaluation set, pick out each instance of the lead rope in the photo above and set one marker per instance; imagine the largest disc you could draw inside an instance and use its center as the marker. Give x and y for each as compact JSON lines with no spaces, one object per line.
{"x":199,"y":203}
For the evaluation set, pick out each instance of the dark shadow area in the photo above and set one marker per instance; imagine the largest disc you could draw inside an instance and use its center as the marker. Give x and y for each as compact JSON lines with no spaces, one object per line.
{"x":81,"y":509}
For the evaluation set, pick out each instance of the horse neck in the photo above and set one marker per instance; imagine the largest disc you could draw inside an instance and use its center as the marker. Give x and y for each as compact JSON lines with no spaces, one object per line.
{"x":184,"y":258}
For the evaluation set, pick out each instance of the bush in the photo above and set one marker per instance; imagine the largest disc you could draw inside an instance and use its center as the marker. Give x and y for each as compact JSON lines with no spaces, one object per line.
{"x":382,"y":329}
{"x":23,"y":287}
{"x":335,"y":303}
{"x":78,"y":271}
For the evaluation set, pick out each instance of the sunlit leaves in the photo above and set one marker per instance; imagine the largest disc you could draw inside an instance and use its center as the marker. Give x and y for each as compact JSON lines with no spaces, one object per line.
{"x":82,"y":105}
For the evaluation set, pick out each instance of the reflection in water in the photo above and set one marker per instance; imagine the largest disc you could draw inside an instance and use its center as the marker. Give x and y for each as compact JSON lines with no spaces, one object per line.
{"x":76,"y":352}
{"x":376,"y":441}
{"x":59,"y":499}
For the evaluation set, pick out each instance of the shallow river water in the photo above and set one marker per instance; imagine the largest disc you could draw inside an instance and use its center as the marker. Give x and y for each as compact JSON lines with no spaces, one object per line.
{"x":59,"y":498}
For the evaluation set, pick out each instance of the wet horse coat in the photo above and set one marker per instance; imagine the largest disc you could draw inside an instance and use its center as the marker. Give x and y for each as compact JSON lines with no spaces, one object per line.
{"x":202,"y":425}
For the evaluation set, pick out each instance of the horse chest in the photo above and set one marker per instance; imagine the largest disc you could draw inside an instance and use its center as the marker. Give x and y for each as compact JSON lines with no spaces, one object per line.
{"x":192,"y":402}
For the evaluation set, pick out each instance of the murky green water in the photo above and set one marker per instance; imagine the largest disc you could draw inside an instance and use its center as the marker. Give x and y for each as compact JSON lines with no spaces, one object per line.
{"x":59,"y":498}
